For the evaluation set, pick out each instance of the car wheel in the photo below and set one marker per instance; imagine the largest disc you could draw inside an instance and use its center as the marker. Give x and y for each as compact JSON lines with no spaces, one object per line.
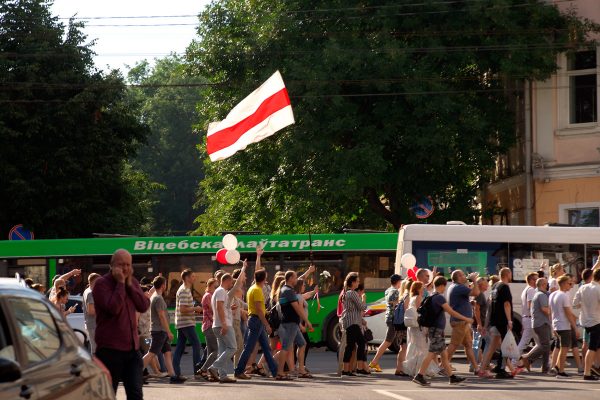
{"x":334,"y":334}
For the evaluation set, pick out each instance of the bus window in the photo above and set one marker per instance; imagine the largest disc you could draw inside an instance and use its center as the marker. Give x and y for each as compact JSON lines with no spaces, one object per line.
{"x":528,"y":257}
{"x":483,"y":258}
{"x":374,"y":269}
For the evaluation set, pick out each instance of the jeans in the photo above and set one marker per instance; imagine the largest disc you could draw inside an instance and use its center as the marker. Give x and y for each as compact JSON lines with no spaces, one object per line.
{"x":256,"y":333}
{"x":186,"y":334}
{"x":227,"y":347}
{"x":542,"y":346}
{"x":125,"y":366}
{"x":212,"y":349}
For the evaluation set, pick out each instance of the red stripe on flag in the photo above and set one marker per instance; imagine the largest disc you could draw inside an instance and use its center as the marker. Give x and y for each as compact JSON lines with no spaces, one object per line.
{"x":228,"y":136}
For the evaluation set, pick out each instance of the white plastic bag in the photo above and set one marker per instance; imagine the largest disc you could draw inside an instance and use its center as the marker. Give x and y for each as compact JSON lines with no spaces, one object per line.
{"x":509,"y":347}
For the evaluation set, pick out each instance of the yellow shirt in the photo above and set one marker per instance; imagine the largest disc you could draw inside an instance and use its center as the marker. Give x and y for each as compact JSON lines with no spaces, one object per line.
{"x":255,"y":294}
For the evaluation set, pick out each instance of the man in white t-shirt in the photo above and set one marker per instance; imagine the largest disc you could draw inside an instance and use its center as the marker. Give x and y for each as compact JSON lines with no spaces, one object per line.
{"x":526,"y":298}
{"x":563,"y":322}
{"x":588,"y":298}
{"x":222,"y":303}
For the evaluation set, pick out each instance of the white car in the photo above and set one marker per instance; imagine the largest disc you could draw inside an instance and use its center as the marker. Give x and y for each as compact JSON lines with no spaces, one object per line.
{"x":76,"y":319}
{"x":375,"y":317}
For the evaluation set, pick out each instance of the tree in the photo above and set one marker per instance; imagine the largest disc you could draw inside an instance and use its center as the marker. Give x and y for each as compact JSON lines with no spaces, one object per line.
{"x":166,"y":96}
{"x":65,"y":132}
{"x":394,"y":101}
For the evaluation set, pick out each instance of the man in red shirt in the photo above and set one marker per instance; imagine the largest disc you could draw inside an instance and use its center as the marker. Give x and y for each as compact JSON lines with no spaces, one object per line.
{"x":117,"y":297}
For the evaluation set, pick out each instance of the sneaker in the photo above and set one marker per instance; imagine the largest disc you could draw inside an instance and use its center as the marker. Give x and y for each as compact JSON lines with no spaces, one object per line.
{"x":471,"y":369}
{"x":483,"y":373}
{"x":420,"y":380}
{"x":242,"y":376}
{"x":590,"y":378}
{"x":362,"y":372}
{"x":227,"y":380}
{"x":375,"y":367}
{"x":556,"y":370}
{"x":177,"y":379}
{"x":442,"y":372}
{"x":562,"y":375}
{"x":455,"y":380}
{"x":348,"y":373}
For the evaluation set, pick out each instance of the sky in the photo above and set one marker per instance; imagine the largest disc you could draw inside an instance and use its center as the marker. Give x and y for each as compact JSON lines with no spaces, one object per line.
{"x":118,"y":45}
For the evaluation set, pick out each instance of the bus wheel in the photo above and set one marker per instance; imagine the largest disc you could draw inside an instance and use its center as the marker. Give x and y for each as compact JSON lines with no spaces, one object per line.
{"x":334,"y":334}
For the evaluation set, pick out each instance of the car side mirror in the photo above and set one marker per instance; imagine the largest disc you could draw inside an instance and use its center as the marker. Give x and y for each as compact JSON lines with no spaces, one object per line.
{"x":10,"y":371}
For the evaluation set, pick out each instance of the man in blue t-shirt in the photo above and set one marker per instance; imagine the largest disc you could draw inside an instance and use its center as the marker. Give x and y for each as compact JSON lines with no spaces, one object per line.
{"x":460,"y":289}
{"x":437,"y":344}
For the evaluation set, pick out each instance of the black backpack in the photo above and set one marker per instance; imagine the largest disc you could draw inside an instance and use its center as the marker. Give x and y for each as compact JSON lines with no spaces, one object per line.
{"x":273,"y":317}
{"x":399,"y":316}
{"x":426,"y":314}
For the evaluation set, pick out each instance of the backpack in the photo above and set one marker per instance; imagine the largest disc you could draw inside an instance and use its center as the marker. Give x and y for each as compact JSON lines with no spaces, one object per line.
{"x":274,"y":317}
{"x":398,"y":320}
{"x":426,"y":314}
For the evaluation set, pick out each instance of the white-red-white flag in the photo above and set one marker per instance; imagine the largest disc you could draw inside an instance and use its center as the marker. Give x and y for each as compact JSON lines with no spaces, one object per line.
{"x":261,"y":114}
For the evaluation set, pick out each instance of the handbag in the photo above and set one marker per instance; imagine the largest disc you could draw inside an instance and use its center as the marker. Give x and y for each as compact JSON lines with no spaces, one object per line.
{"x":368,"y":335}
{"x":410,"y":318}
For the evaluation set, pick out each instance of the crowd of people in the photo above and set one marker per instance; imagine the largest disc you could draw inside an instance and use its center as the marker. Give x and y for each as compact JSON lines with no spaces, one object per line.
{"x":129,"y":325}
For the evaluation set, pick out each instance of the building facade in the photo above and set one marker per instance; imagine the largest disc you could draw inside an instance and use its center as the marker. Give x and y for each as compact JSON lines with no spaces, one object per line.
{"x":552,"y":175}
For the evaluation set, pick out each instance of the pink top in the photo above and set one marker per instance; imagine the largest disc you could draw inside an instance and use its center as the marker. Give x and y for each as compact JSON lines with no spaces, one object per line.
{"x":207,"y":312}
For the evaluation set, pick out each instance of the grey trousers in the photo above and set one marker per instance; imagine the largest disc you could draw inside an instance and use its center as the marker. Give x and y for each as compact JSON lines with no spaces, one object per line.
{"x":543,"y":335}
{"x":212,"y":349}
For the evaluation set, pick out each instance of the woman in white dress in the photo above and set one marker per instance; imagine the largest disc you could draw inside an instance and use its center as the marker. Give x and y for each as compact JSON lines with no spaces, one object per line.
{"x":416,"y":336}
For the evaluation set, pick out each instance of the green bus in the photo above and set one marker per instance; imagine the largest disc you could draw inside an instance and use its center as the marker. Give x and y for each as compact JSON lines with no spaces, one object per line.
{"x":372,"y":255}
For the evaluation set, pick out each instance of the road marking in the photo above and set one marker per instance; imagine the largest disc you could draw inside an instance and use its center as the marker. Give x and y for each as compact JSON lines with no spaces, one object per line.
{"x":399,"y":397}
{"x":392,"y":395}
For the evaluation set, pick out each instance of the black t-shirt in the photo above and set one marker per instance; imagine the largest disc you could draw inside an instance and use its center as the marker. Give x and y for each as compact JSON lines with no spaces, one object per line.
{"x":500,"y":295}
{"x":287,"y":296}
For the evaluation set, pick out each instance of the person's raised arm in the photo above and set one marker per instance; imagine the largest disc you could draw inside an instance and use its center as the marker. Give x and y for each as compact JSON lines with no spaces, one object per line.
{"x":597,"y":264}
{"x":311,"y":269}
{"x":475,"y":288}
{"x":259,"y":253}
{"x":309,"y":295}
{"x":68,"y":275}
{"x":239,"y":282}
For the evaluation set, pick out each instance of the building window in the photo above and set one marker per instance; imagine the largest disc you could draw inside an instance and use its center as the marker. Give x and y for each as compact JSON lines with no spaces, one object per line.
{"x":582,"y":69}
{"x":584,"y":216}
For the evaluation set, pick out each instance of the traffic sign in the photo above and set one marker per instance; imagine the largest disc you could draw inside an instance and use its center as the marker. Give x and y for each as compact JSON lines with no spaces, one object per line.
{"x":423,"y":208}
{"x":18,"y":232}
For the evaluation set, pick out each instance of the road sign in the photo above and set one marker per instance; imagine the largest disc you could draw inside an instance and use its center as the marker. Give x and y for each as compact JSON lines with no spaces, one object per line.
{"x":423,"y":208}
{"x":19,"y":233}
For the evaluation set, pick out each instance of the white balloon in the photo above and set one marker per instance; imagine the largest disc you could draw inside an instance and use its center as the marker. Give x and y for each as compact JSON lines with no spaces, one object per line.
{"x":230,"y":242}
{"x":408,"y":261}
{"x":232,"y":256}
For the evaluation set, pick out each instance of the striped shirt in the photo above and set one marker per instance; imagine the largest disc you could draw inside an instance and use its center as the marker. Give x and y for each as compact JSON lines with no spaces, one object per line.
{"x":184,"y":298}
{"x":353,"y":309}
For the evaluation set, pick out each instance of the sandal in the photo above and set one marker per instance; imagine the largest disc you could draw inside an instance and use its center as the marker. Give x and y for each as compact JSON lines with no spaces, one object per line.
{"x":257,"y":370}
{"x":282,"y":378}
{"x":305,"y":374}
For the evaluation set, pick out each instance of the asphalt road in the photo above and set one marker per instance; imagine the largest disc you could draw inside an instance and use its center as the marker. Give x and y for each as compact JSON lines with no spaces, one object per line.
{"x":382,"y":386}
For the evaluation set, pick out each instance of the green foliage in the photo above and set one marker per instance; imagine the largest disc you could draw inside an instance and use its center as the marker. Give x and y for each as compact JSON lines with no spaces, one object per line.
{"x":65,"y":132}
{"x":393,"y":101}
{"x":170,"y":156}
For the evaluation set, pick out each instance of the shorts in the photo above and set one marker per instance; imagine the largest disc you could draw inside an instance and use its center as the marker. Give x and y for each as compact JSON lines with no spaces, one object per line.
{"x":160,"y":342}
{"x":493,"y":331}
{"x":574,"y":340}
{"x":502,"y":330}
{"x":564,"y":338}
{"x":586,"y":335}
{"x":437,"y":341}
{"x":392,"y":334}
{"x":289,"y":333}
{"x":594,"y":342}
{"x":461,"y":334}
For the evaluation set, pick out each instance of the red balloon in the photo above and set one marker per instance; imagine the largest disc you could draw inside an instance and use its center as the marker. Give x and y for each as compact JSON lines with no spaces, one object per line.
{"x":221,"y":256}
{"x":412,"y":275}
